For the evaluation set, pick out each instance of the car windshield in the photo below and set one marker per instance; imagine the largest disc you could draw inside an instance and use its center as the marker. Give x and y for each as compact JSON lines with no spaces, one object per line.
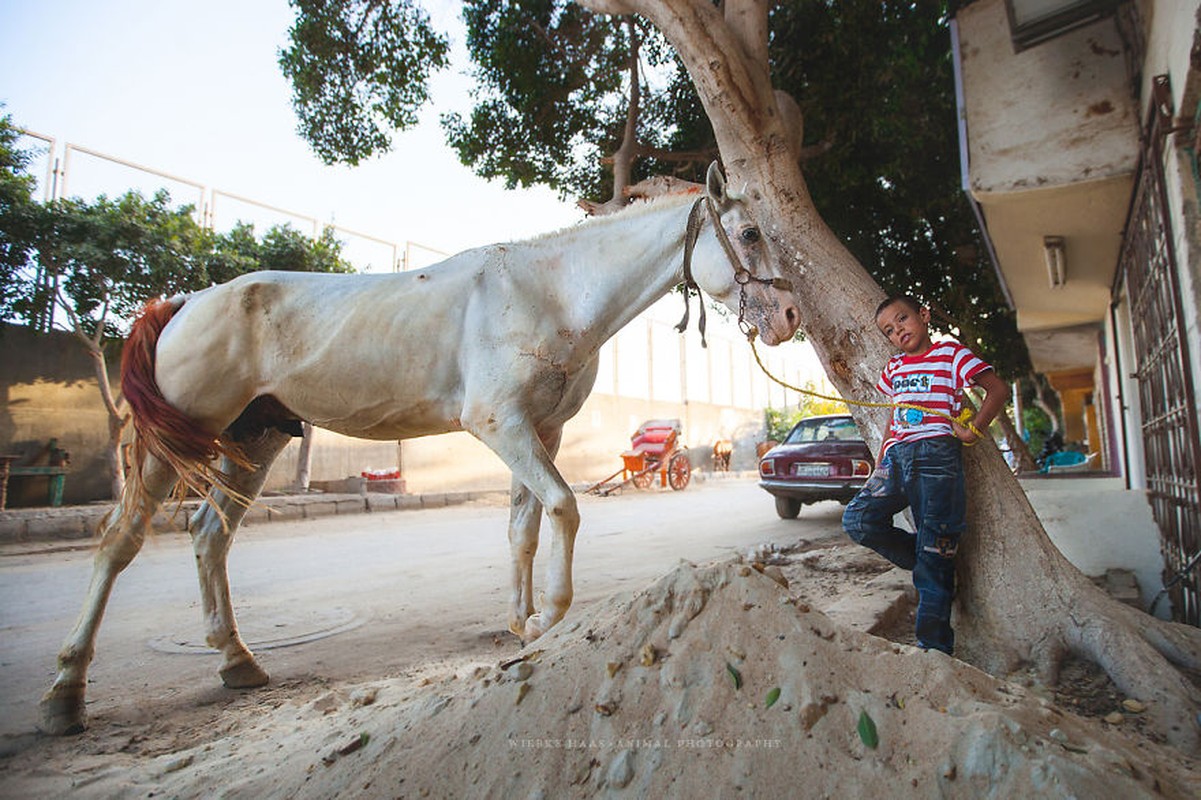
{"x":824,"y":429}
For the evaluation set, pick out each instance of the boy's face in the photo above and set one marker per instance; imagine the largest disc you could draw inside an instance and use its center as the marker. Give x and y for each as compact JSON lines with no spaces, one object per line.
{"x":907,"y":328}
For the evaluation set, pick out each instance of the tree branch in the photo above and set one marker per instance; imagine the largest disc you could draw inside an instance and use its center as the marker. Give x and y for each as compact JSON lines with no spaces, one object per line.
{"x":623,"y":159}
{"x":748,"y":22}
{"x":98,"y":334}
{"x":820,"y":149}
{"x":731,"y":77}
{"x":610,"y":6}
{"x":674,"y":156}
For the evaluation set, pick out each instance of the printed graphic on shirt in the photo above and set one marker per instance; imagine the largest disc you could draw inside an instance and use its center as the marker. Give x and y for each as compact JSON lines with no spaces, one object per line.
{"x":933,"y":380}
{"x":913,"y":382}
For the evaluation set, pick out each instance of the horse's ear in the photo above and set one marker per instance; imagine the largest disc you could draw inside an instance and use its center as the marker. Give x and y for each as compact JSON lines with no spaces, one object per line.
{"x":715,"y":185}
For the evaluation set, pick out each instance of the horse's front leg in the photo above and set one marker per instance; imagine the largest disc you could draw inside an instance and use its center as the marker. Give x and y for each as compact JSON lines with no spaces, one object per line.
{"x":525,"y":517}
{"x":211,"y":540}
{"x":123,"y":531}
{"x":530,"y":457}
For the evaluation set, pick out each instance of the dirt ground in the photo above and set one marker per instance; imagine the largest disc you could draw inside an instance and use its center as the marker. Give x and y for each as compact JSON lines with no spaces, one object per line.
{"x":716,"y":680}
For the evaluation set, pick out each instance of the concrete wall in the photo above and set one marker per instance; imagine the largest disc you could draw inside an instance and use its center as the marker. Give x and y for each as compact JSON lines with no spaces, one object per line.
{"x":48,"y":390}
{"x":1032,"y":111}
{"x":1098,"y":526}
{"x":591,"y":450}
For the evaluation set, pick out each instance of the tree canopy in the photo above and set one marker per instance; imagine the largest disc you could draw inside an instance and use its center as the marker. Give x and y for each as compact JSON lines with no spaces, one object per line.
{"x":356,"y":68}
{"x":17,"y":210}
{"x":556,"y":85}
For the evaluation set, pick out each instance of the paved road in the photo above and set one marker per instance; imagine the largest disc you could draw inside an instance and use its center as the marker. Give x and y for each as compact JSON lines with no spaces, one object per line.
{"x":353,"y":597}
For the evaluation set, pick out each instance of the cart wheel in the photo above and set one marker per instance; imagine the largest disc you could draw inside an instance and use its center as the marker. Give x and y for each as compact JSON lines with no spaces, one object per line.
{"x":679,"y":471}
{"x":644,"y":479}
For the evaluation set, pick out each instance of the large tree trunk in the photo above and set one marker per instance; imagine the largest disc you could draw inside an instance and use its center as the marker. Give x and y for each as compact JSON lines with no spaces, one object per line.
{"x":1021,"y":602}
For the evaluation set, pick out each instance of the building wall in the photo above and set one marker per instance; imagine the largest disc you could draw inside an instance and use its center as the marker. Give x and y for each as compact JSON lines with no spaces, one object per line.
{"x":48,"y":390}
{"x":1173,"y":40}
{"x":1033,"y":109}
{"x":591,"y":449}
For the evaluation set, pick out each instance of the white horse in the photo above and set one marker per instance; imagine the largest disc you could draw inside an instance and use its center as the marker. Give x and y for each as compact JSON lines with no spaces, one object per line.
{"x":501,"y":341}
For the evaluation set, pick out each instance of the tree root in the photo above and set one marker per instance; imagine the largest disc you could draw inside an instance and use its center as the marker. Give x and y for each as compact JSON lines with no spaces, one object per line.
{"x":1127,"y":645}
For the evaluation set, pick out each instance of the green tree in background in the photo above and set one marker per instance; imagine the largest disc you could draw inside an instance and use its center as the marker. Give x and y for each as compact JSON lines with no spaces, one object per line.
{"x":90,"y":266}
{"x":779,"y":421}
{"x":356,"y":68}
{"x":17,"y":216}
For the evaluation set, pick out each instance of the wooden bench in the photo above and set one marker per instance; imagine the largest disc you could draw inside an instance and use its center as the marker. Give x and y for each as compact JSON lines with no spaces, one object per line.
{"x":57,"y":478}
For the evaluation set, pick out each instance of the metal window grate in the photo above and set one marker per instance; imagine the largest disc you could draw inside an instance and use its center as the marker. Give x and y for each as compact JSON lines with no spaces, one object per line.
{"x":1169,"y":424}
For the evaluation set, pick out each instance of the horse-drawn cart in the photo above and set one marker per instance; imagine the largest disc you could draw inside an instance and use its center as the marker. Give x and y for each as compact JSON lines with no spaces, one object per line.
{"x":654,"y":447}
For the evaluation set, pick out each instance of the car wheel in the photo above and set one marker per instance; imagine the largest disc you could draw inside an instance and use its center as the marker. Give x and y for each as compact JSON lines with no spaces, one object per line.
{"x":788,"y":507}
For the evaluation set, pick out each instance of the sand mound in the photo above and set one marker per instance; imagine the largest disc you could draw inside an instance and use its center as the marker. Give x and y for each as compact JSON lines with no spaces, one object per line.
{"x":711,"y":681}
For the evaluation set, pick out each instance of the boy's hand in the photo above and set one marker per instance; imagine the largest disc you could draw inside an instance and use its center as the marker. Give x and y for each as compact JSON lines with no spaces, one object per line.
{"x":964,"y":433}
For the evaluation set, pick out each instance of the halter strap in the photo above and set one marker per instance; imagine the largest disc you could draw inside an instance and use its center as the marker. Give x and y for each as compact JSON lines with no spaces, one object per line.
{"x":691,"y":233}
{"x":742,"y":275}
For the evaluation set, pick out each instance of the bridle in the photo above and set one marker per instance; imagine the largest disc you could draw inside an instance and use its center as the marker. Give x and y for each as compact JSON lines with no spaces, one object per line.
{"x":742,"y":275}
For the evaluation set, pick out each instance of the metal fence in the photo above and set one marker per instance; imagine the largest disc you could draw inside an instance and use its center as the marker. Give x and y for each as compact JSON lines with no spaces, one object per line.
{"x":63,"y":171}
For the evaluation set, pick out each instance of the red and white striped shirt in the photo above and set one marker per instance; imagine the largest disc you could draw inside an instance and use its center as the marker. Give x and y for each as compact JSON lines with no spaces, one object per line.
{"x":934,"y":379}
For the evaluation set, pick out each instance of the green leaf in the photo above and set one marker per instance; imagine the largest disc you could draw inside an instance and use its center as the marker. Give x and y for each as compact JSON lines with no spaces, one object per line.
{"x":867,"y":731}
{"x":735,"y":674}
{"x":772,"y":697}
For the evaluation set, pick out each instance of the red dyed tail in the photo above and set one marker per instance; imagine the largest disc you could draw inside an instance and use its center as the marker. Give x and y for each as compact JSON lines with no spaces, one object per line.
{"x":161,"y":429}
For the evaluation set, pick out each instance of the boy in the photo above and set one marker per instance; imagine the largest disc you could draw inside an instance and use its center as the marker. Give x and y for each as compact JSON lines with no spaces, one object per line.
{"x":921,"y":462}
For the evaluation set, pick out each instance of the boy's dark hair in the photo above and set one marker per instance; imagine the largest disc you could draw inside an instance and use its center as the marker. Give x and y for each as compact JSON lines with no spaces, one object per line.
{"x":908,"y":300}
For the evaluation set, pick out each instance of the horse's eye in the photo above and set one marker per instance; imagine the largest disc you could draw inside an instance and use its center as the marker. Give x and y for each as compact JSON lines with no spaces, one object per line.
{"x":750,"y":235}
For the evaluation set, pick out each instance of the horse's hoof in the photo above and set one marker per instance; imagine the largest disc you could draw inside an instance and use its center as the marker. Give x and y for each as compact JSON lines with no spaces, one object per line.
{"x":244,"y":675}
{"x":534,"y":627}
{"x":62,"y":713}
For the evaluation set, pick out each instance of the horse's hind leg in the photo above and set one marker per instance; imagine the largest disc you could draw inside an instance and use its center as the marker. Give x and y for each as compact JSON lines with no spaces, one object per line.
{"x":122,"y":533}
{"x":211,"y":539}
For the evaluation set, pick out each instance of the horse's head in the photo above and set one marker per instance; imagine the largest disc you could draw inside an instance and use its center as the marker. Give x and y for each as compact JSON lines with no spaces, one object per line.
{"x":736,"y":268}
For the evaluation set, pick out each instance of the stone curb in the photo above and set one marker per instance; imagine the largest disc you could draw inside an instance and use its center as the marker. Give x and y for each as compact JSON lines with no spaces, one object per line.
{"x":81,"y":522}
{"x":877,"y":604}
{"x":22,"y":525}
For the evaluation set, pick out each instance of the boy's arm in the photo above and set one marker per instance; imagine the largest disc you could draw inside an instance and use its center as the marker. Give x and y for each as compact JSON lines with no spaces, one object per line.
{"x":884,"y":441}
{"x":996,"y":392}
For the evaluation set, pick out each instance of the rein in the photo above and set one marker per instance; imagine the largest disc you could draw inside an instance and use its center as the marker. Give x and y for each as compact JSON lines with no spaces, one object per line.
{"x":742,"y":275}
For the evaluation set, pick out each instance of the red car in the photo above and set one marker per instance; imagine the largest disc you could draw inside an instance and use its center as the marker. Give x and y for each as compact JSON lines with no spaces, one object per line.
{"x":822,"y":458}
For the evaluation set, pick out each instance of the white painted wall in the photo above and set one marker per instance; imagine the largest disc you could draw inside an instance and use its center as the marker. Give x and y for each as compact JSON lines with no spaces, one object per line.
{"x":1098,"y":526}
{"x":1032,"y":110}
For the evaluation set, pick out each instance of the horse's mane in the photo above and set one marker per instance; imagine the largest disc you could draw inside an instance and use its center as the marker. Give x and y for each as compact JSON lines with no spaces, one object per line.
{"x":637,"y":208}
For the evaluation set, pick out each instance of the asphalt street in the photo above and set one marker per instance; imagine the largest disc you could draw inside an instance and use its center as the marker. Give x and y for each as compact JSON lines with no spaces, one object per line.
{"x":353,"y":597}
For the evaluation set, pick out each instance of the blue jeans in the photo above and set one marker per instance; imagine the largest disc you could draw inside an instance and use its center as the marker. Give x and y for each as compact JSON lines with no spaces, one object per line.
{"x":927,"y":476}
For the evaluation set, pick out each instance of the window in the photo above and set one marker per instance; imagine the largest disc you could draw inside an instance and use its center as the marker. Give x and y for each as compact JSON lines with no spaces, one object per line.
{"x":1034,"y":21}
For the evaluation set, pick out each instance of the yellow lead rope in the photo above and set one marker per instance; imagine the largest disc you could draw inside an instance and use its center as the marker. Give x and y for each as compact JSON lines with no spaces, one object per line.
{"x":964,"y":418}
